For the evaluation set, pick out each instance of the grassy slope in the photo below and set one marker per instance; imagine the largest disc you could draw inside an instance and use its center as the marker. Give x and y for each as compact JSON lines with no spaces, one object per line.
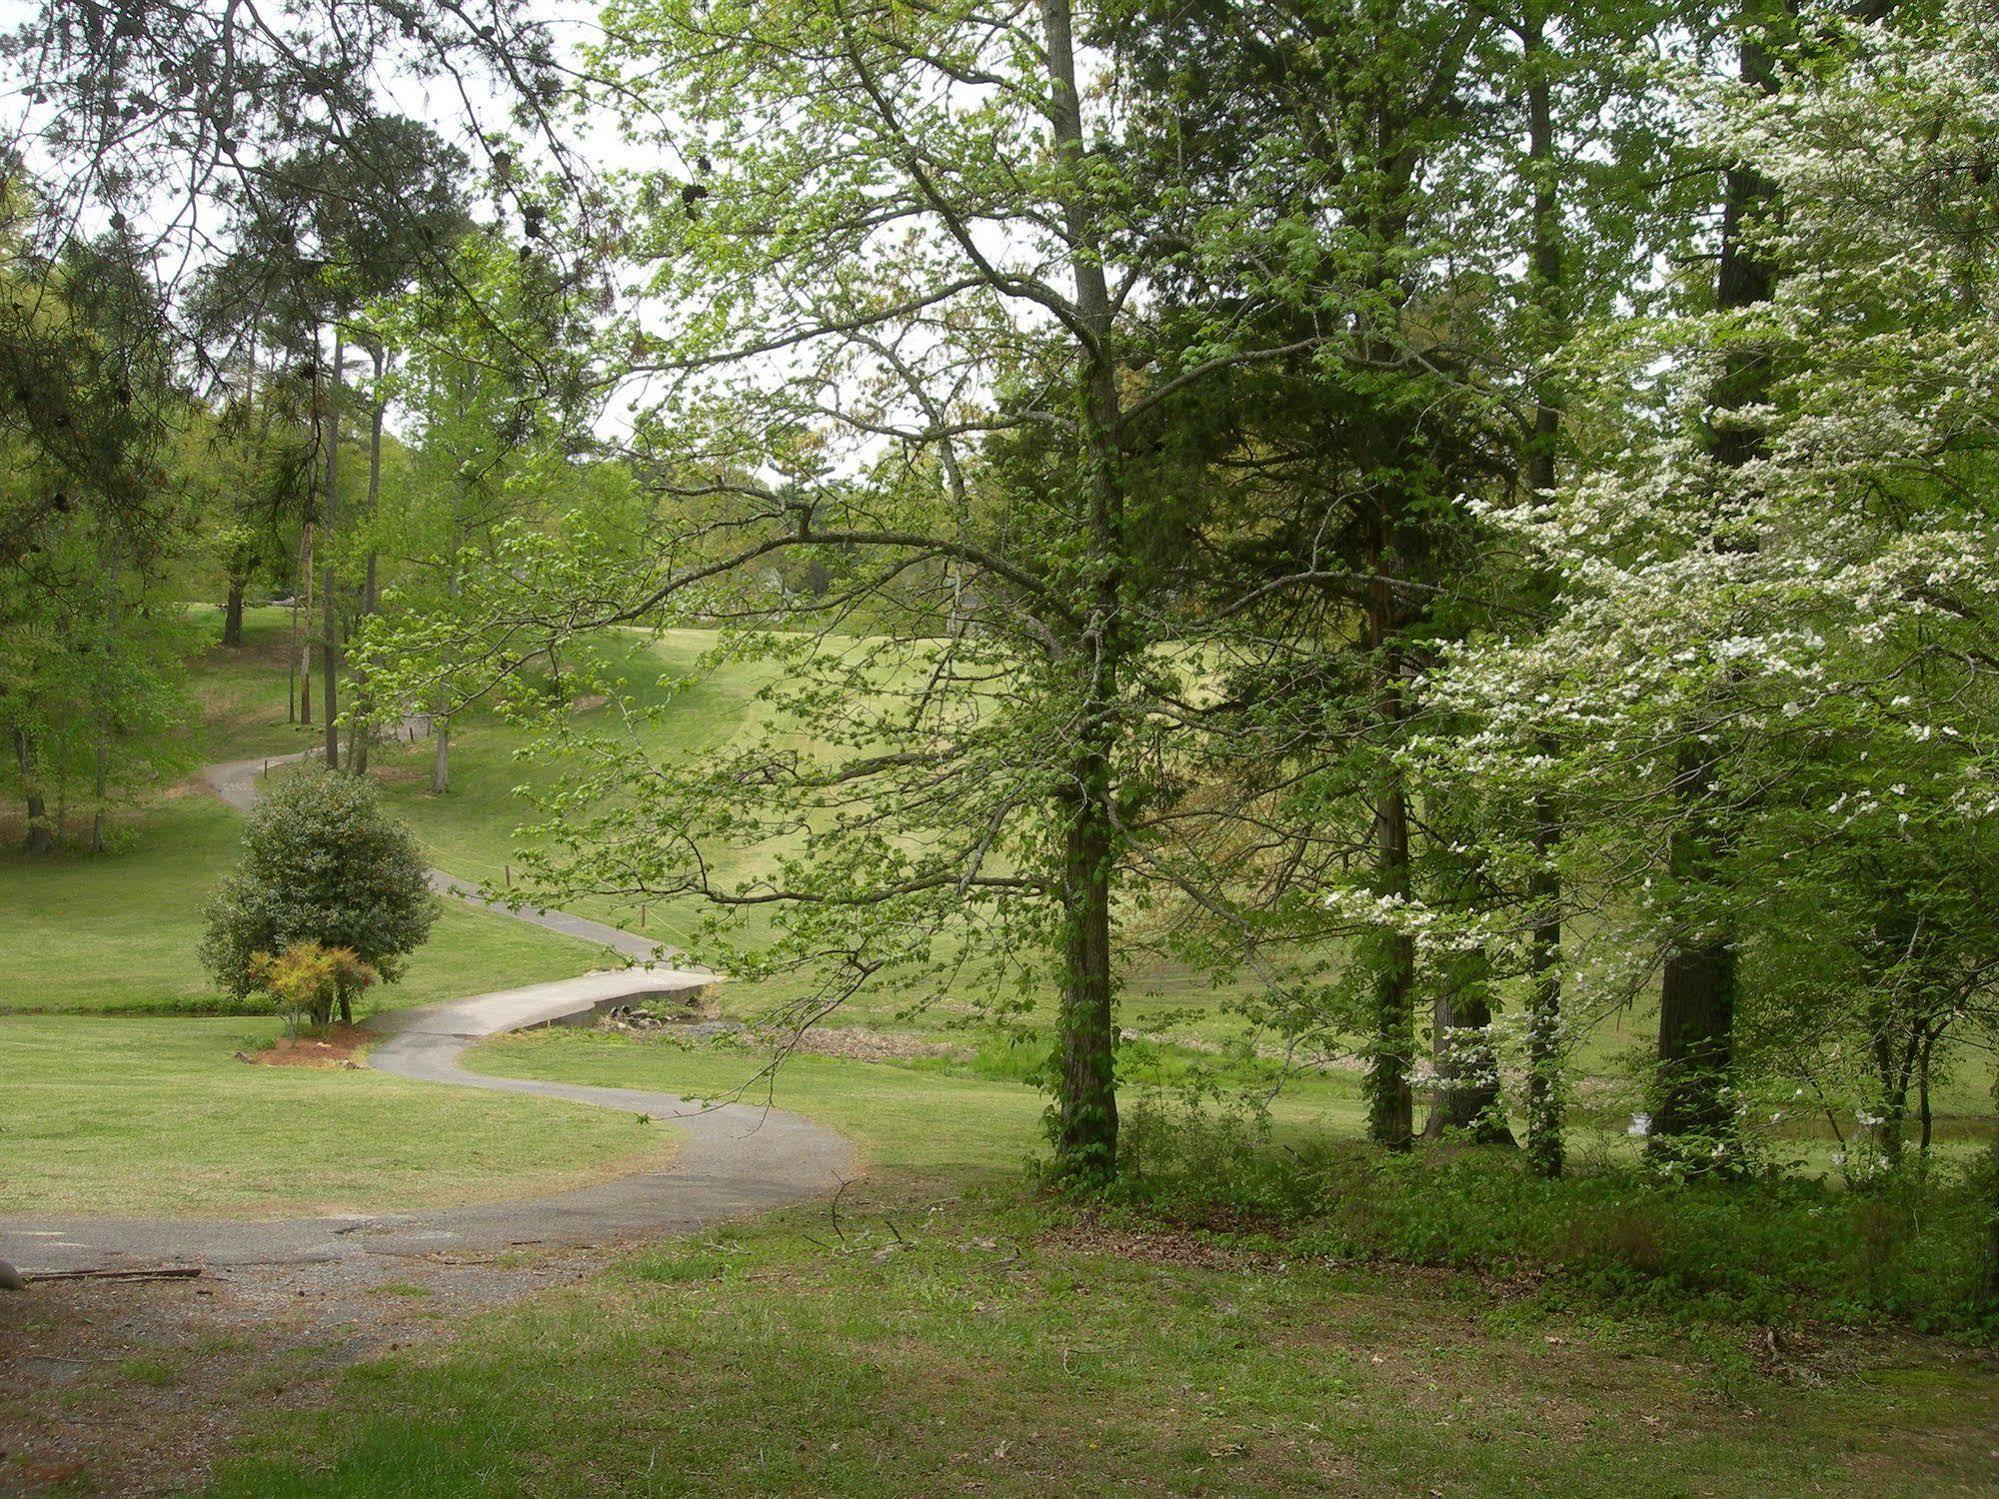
{"x":166,"y":1122}
{"x":242,"y":693}
{"x":473,"y":832}
{"x":118,"y":932}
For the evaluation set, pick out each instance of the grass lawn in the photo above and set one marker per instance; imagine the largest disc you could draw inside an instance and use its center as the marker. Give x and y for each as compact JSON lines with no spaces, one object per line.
{"x":902,"y":1118}
{"x":946,"y":1333}
{"x":149,"y":1117}
{"x":924,"y":1117}
{"x":242,"y":692}
{"x":118,"y":932}
{"x":963,"y":1348}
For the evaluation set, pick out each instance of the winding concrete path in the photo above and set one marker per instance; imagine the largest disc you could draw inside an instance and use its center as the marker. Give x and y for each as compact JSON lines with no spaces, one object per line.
{"x":732,"y":1159}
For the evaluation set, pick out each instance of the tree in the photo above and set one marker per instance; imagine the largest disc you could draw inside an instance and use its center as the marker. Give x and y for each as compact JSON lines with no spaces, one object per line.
{"x":308,"y":981}
{"x":1331,"y":558}
{"x":492,"y":364}
{"x":321,"y":863}
{"x":333,"y":226}
{"x":957,"y":433}
{"x":1784,"y":586}
{"x":89,"y":672}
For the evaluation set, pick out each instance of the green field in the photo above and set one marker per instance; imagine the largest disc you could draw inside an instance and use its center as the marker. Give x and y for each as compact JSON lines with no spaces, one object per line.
{"x":157,"y":1118}
{"x":117,"y":932}
{"x":939,"y":1331}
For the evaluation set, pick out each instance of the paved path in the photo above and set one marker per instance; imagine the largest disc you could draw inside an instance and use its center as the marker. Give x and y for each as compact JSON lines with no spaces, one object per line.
{"x":732,"y":1159}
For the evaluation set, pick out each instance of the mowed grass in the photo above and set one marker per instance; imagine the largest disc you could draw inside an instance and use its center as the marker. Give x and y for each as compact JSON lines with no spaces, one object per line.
{"x":157,"y":1118}
{"x":917,"y":1118}
{"x":1002,"y":1353}
{"x":937,"y":1331}
{"x":118,"y":932}
{"x":901,"y":1118}
{"x":243,"y":693}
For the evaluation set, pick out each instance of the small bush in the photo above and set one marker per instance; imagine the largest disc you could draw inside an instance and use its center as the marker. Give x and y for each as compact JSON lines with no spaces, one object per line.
{"x":307,"y":980}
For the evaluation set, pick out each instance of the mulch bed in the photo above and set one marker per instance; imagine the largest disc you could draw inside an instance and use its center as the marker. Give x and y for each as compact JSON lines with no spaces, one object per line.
{"x":333,"y":1047}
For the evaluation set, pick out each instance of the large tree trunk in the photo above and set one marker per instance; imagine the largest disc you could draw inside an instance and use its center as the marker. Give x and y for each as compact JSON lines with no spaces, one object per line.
{"x":232,"y":613}
{"x":1466,"y":1095}
{"x":440,"y":721}
{"x":100,"y":785}
{"x":40,"y":838}
{"x":1391,"y":1104}
{"x":1693,"y":1115}
{"x":1086,"y":1104}
{"x":329,"y":662}
{"x":1545,"y":1123}
{"x":1545,"y":1146}
{"x":1693,"y":1110}
{"x":1925,"y":1116}
{"x":1087,"y":1116}
{"x":301,"y":637}
{"x":440,"y":762}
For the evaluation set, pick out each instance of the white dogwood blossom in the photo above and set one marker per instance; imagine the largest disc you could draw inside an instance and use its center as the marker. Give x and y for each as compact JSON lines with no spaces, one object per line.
{"x":1812,"y":628}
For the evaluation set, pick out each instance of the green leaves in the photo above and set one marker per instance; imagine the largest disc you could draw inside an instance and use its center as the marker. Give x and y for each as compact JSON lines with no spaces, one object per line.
{"x":322,"y":864}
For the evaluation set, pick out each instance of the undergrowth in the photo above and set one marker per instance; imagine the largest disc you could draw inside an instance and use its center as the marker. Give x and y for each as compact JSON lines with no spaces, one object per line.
{"x":1776,"y":1250}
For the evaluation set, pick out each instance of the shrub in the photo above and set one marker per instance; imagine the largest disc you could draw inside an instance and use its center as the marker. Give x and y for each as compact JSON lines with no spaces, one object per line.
{"x":307,"y":980}
{"x":322,"y":863}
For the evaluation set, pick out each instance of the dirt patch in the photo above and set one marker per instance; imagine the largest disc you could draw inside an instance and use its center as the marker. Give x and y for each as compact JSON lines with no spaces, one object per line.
{"x":138,"y":1388}
{"x":1160,"y":1246}
{"x":588,"y":702}
{"x":336,"y":1046}
{"x":259,"y":649}
{"x":870,"y":1046}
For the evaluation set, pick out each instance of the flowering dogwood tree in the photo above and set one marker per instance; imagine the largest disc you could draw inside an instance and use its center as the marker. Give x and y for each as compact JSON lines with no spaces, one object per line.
{"x":1787,"y":651}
